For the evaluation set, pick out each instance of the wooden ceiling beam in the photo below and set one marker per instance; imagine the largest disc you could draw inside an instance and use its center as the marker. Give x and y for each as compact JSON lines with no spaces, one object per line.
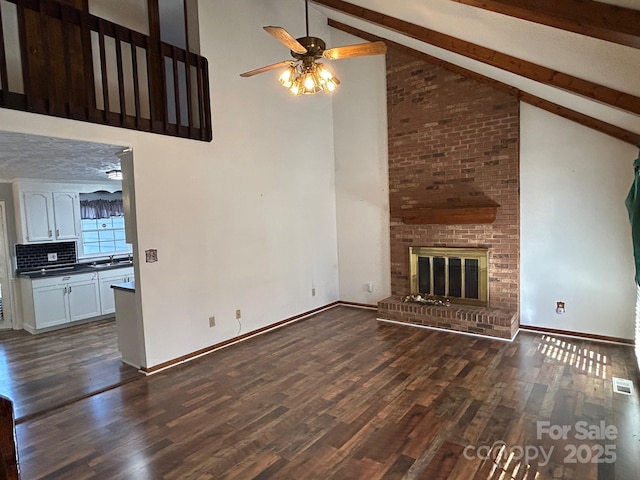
{"x":580,"y":118}
{"x":586,"y":17}
{"x":532,"y":71}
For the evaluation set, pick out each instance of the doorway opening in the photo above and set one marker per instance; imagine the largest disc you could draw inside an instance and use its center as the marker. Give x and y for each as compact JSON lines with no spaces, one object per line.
{"x":6,"y":304}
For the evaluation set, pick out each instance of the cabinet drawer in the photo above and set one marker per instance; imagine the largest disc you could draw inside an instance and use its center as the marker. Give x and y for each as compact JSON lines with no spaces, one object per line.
{"x":79,"y":277}
{"x":116,"y":273}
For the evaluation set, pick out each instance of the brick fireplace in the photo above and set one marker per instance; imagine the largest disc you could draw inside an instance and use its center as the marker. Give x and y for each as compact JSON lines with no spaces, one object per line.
{"x":453,"y":182}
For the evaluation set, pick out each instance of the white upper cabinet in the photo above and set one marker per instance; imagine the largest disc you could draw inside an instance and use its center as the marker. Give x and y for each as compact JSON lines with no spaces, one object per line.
{"x":37,"y":208}
{"x":66,"y":213}
{"x":46,"y":215}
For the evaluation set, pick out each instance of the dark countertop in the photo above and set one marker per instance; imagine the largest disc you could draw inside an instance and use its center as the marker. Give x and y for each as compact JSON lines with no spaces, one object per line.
{"x":63,"y":270}
{"x":125,"y":286}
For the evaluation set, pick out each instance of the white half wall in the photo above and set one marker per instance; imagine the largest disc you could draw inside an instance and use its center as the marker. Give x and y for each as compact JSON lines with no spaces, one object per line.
{"x":575,"y":243}
{"x":362,"y":184}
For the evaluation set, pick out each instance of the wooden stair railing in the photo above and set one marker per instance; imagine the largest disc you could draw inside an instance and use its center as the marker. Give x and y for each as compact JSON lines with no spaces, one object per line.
{"x":9,"y":465}
{"x":79,"y":66}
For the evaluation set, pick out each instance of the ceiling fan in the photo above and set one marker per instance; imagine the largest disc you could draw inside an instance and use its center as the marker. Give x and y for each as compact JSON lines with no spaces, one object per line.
{"x":305,"y":75}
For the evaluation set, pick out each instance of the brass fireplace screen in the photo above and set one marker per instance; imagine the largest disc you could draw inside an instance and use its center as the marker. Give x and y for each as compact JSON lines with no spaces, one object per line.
{"x":460,"y":274}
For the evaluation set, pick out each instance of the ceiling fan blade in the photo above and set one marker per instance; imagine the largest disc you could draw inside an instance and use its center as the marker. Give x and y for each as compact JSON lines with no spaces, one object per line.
{"x":286,"y":39}
{"x":251,"y":73}
{"x":358,"y":50}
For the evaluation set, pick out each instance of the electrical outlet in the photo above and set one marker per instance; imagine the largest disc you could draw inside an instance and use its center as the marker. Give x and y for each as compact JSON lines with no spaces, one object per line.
{"x":238,"y":314}
{"x":212,"y":321}
{"x":313,"y":292}
{"x":52,"y":257}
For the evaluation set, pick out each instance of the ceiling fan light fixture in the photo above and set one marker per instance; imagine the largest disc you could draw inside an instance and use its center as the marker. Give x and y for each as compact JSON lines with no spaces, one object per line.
{"x":309,"y":79}
{"x":288,"y":76}
{"x":114,"y":174}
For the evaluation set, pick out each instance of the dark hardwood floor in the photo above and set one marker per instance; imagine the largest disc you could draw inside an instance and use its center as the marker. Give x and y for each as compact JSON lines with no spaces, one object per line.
{"x":41,"y":372}
{"x":342,"y":396}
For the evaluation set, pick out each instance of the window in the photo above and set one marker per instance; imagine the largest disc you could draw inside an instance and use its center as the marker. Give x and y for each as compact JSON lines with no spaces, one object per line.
{"x":102,"y":224}
{"x":103,"y":235}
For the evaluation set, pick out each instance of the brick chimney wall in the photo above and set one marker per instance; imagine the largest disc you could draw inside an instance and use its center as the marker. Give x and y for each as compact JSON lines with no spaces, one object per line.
{"x":447,"y":129}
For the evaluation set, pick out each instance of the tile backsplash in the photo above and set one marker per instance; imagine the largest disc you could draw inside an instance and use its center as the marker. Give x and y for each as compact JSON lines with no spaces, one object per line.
{"x":35,"y":255}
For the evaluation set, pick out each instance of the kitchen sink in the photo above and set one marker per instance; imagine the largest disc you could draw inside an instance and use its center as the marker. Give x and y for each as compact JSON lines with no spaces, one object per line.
{"x":114,"y":264}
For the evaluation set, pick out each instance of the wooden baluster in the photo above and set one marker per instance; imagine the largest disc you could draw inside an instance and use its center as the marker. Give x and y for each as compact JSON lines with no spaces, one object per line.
{"x":4,"y":77}
{"x":205,"y":108}
{"x":46,"y":58}
{"x":165,"y":89}
{"x":66,"y":55}
{"x":136,"y":80}
{"x":123,"y":107}
{"x":103,"y":67}
{"x":176,"y":88}
{"x":201,"y":105}
{"x":87,"y":55}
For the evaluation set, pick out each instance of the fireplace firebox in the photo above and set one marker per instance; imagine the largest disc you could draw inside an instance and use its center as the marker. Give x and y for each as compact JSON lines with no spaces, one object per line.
{"x":460,"y":274}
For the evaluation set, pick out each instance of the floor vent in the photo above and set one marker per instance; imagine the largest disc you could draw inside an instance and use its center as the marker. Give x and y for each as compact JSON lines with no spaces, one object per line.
{"x":621,"y":385}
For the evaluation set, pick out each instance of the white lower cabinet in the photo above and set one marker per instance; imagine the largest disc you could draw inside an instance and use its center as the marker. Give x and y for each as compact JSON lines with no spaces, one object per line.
{"x":108,"y":278}
{"x":51,"y":306}
{"x":52,"y":301}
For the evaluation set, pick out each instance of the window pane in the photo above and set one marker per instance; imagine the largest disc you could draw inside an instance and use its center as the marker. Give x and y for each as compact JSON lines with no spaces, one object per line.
{"x":122,"y":245}
{"x":438,"y":276}
{"x":108,"y":246}
{"x":88,"y":224}
{"x":89,"y":237}
{"x":91,"y":249}
{"x":106,"y":235}
{"x":105,"y":223}
{"x":424,"y":274}
{"x":455,"y":277}
{"x":471,"y":278}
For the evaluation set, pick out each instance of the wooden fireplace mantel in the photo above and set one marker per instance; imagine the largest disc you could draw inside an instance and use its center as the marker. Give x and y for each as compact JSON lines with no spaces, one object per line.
{"x":450,"y":216}
{"x":445,"y":205}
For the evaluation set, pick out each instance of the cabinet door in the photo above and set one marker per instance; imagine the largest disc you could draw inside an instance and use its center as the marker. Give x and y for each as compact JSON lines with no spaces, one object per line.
{"x":65,"y":212}
{"x":107,"y":300}
{"x":84,"y":300}
{"x":50,"y":305}
{"x":38,"y":213}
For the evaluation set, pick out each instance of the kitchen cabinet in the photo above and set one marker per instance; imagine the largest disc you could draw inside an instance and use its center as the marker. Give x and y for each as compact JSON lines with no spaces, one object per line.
{"x":53,"y":301}
{"x":47,"y":216}
{"x":108,"y":278}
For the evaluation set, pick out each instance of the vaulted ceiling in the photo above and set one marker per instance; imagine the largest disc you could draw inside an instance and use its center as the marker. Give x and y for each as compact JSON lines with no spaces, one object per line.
{"x":576,"y":58}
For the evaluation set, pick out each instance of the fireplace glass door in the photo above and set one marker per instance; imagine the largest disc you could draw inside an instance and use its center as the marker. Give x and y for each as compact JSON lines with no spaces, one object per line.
{"x":454,"y":273}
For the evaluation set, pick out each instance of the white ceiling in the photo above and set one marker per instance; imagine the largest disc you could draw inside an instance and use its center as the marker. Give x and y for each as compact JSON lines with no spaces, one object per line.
{"x":55,"y":159}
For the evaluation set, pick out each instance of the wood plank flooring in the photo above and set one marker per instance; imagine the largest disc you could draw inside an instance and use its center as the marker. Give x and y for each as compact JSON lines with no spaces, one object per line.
{"x":41,"y":372}
{"x":342,"y":396}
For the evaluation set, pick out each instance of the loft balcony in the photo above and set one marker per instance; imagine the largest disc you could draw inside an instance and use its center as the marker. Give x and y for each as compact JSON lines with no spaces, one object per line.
{"x":62,"y":61}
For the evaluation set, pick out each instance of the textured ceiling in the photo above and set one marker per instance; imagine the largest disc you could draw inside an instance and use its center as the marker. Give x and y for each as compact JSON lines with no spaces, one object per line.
{"x":55,"y":159}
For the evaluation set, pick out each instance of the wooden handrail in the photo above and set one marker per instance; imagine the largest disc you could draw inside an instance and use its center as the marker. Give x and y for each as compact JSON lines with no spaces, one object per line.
{"x":61,"y":77}
{"x":9,"y":465}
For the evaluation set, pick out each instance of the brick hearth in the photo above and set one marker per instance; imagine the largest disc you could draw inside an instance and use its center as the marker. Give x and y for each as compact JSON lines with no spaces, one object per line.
{"x":453,"y":140}
{"x":493,"y":322}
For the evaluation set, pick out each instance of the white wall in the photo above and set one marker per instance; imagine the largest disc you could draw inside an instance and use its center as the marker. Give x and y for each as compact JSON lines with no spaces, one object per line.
{"x":245,"y":222}
{"x":575,"y":234}
{"x":132,"y":14}
{"x":360,"y":136}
